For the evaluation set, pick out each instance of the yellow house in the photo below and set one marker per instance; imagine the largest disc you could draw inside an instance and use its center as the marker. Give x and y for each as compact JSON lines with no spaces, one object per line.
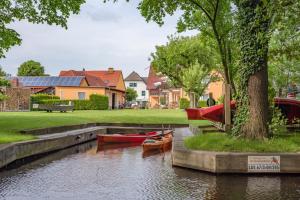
{"x":105,"y":82}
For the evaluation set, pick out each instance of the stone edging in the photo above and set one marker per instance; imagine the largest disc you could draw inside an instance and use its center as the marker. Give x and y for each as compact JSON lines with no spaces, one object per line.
{"x":225,"y":162}
{"x":59,"y":129}
{"x":46,"y":143}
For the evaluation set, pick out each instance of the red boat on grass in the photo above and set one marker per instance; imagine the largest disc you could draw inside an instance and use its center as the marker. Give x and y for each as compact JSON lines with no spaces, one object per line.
{"x":290,"y":108}
{"x":125,"y":138}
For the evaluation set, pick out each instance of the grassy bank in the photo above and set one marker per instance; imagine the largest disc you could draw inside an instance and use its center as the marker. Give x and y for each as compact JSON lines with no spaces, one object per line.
{"x":13,"y":122}
{"x":223,"y":142}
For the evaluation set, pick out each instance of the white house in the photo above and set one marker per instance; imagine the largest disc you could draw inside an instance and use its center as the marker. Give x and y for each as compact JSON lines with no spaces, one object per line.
{"x":139,"y":84}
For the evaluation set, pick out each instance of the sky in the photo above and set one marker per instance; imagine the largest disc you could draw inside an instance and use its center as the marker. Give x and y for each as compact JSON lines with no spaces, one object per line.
{"x":101,"y":36}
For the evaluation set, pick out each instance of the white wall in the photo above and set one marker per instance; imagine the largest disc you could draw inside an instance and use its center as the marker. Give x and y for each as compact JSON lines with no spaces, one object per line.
{"x":141,"y":86}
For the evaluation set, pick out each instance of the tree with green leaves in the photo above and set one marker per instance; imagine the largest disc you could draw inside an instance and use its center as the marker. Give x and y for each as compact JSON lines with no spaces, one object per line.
{"x":284,"y":56}
{"x":196,"y":79}
{"x":256,"y":21}
{"x":253,"y":22}
{"x":188,"y":62}
{"x":2,"y":72}
{"x":130,"y":94}
{"x":181,"y":53}
{"x":50,"y":12}
{"x":31,"y":68}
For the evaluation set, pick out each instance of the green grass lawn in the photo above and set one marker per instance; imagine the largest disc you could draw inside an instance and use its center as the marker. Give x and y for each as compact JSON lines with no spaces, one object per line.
{"x":223,"y":142}
{"x":11,"y":123}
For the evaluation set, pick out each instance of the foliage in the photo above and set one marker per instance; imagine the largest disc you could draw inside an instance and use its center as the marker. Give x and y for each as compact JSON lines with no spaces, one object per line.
{"x":4,"y":82}
{"x":202,"y":104}
{"x":196,"y":78}
{"x":213,"y":18}
{"x":284,"y":57}
{"x":39,"y":98}
{"x":221,"y":99}
{"x":96,"y":102}
{"x":130,"y":94}
{"x":50,"y":12}
{"x":2,"y":96}
{"x":278,"y":122}
{"x":184,"y":103}
{"x":181,"y":53}
{"x":99,"y":102}
{"x":2,"y":72}
{"x":31,"y":68}
{"x":224,"y":142}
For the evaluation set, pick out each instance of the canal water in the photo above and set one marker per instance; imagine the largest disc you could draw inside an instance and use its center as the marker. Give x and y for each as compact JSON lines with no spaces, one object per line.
{"x":116,"y":172}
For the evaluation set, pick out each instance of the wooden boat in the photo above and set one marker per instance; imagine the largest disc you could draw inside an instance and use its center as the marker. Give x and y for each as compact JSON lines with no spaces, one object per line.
{"x":125,"y":138}
{"x":290,"y":108}
{"x":161,"y":144}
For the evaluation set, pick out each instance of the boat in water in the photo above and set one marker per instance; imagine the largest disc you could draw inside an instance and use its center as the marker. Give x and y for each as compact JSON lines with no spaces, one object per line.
{"x":126,"y":138}
{"x":290,"y":108}
{"x":158,"y":143}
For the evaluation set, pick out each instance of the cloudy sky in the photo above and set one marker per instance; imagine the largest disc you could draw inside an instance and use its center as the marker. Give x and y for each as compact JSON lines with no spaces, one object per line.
{"x":103,"y":35}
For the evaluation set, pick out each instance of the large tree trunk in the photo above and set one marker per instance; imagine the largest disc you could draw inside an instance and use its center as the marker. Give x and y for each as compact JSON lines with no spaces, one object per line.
{"x":254,"y":41}
{"x":257,"y":125}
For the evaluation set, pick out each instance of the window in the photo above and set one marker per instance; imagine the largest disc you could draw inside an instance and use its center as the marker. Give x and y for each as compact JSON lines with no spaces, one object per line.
{"x":132,"y":84}
{"x":143,"y":93}
{"x":81,"y":95}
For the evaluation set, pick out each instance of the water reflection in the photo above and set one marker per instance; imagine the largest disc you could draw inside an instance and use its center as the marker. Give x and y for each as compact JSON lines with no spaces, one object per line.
{"x":120,"y":172}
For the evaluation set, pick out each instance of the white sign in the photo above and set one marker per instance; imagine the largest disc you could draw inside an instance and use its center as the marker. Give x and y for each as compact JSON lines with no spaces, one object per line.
{"x":263,"y":163}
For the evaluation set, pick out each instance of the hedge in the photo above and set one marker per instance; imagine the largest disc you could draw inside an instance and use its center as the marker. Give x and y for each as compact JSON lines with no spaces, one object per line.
{"x":96,"y":102}
{"x":39,"y":98}
{"x":184,"y":103}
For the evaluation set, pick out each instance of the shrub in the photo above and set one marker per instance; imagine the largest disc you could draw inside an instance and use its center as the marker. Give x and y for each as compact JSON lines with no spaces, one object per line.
{"x":99,"y":102}
{"x":202,"y":103}
{"x":39,"y":98}
{"x":96,"y":102}
{"x":184,"y":103}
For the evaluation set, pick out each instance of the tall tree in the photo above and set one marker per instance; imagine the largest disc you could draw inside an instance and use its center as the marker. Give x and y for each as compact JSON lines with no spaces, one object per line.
{"x":31,"y":68}
{"x":257,"y":19}
{"x":188,"y":62}
{"x":213,"y":18}
{"x":38,"y":11}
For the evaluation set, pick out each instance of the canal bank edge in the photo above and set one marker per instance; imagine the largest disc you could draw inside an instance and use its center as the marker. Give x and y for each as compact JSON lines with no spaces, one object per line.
{"x":57,"y":138}
{"x":46,"y":143}
{"x":231,"y":162}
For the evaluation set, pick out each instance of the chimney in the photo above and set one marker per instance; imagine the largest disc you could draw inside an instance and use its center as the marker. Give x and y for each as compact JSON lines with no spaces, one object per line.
{"x":110,"y":69}
{"x":15,"y":82}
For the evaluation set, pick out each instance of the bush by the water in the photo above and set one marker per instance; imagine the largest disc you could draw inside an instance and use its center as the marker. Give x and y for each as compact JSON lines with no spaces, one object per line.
{"x":96,"y":102}
{"x":184,"y":103}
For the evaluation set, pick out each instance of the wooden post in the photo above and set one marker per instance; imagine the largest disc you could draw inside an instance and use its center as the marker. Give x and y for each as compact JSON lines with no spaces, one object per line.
{"x":227,"y":108}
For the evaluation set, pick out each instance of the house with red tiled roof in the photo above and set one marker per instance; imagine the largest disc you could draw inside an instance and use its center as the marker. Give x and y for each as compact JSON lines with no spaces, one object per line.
{"x":161,"y":93}
{"x":108,"y":82}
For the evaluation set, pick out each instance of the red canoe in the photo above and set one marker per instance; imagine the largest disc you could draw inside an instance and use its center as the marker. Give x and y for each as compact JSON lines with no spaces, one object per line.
{"x":125,"y":138}
{"x":289,"y":107}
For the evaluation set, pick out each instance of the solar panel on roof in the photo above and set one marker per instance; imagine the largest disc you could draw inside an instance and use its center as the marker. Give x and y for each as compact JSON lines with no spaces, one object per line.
{"x":50,"y":81}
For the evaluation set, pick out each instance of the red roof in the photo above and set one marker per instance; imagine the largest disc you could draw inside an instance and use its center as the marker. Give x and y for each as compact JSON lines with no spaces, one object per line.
{"x":109,"y":78}
{"x":153,"y":78}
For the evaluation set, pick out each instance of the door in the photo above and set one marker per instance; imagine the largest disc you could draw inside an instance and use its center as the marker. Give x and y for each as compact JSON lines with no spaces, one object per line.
{"x":113,"y":100}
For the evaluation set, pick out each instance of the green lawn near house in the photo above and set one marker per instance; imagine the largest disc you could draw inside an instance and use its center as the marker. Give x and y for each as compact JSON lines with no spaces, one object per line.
{"x":226,"y":143}
{"x":11,"y":123}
